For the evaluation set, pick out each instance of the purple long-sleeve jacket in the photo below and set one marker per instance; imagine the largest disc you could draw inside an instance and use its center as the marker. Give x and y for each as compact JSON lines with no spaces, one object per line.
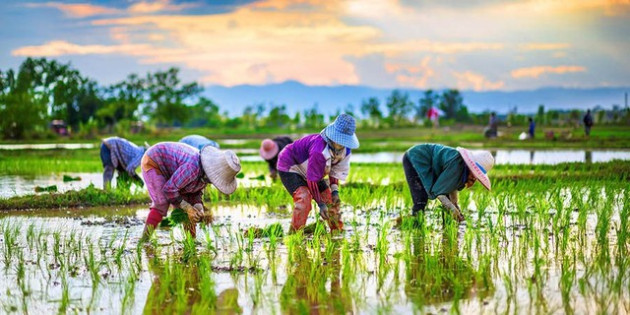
{"x":311,"y":158}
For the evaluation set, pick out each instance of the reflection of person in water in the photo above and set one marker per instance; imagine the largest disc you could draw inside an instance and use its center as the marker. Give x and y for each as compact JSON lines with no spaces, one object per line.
{"x":443,"y":276}
{"x":308,"y":293}
{"x":199,"y":296}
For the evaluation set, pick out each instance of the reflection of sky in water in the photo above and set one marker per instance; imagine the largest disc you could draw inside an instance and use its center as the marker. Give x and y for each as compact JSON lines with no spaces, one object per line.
{"x":503,"y":156}
{"x":14,"y":185}
{"x":47,"y":146}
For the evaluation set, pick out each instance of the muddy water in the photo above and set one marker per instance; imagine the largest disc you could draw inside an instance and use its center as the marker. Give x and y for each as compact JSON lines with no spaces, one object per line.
{"x":365,"y":282}
{"x":505,"y":156}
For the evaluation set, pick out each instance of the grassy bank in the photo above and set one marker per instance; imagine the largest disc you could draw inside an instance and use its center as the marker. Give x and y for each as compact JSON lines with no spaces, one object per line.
{"x":373,"y":140}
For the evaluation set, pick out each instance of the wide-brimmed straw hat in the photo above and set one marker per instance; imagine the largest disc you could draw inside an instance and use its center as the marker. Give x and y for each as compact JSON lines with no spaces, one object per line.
{"x":341,"y":131}
{"x":268,"y":149}
{"x":479,"y":163}
{"x":221,"y":168}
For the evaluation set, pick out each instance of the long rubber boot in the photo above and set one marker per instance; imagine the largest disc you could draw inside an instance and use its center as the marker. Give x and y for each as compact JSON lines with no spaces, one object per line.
{"x":152,"y":222}
{"x":302,"y":206}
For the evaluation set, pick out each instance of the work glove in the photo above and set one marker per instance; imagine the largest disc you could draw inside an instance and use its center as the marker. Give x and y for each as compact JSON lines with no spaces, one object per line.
{"x":335,"y":198}
{"x":193,"y":213}
{"x":323,"y":211}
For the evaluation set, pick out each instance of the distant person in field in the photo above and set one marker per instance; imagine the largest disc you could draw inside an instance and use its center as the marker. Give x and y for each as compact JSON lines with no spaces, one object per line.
{"x":177,"y":174}
{"x":492,"y":130}
{"x":435,"y":171}
{"x":532,"y":128}
{"x":197,"y":141}
{"x":121,"y":155}
{"x":588,"y":122}
{"x":434,"y":116}
{"x":269,"y":150}
{"x":303,"y":164}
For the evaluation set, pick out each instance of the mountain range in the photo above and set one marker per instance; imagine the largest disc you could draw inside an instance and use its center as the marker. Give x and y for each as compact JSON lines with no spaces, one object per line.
{"x":299,"y":97}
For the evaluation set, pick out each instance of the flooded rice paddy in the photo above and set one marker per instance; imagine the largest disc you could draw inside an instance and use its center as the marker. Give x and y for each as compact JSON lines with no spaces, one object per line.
{"x":533,"y":157}
{"x":561,"y":249}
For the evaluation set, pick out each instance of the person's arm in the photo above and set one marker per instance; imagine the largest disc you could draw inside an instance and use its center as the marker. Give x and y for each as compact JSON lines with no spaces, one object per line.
{"x":314,"y":173}
{"x":454,"y":198}
{"x":446,"y":202}
{"x":183,"y":176}
{"x":133,"y":165}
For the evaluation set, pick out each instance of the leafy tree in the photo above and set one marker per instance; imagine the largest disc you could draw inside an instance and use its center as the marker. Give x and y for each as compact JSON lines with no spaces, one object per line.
{"x":123,"y":100}
{"x":313,"y":118}
{"x":371,"y":109}
{"x":205,"y":113}
{"x":22,"y":108}
{"x":166,"y":97}
{"x":399,"y":105}
{"x":452,"y":104}
{"x":278,"y":117}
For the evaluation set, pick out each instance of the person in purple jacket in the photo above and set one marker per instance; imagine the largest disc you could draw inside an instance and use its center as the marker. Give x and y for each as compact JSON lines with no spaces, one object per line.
{"x":303,"y":164}
{"x":177,"y":174}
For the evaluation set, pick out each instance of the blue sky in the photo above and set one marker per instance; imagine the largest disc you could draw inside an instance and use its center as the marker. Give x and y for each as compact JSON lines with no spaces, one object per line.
{"x":481,"y":45}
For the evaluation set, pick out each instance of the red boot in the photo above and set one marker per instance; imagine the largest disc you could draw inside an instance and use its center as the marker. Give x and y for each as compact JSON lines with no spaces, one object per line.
{"x":302,"y":206}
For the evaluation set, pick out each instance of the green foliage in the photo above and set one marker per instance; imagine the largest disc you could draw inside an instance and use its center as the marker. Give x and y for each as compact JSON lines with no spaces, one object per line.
{"x":398,"y":105}
{"x":453,"y":106}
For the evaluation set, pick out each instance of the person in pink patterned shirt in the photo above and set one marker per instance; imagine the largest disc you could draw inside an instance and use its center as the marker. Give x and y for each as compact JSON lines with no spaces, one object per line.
{"x":177,"y":174}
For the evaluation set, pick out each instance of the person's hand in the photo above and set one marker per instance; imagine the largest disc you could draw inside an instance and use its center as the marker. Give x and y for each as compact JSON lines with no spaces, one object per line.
{"x":200,"y":210}
{"x":335,"y":198}
{"x":193,"y":213}
{"x":273,"y":175}
{"x":323,"y":211}
{"x":457,"y":214}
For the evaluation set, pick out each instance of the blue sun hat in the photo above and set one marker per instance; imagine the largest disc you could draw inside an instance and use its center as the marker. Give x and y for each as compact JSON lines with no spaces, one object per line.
{"x":341,"y":131}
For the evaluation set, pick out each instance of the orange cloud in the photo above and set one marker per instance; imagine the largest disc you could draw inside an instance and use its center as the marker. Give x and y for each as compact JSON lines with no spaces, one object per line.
{"x":396,"y":48}
{"x":75,"y":10}
{"x":544,"y":46}
{"x":253,"y":46}
{"x":144,"y":7}
{"x":60,"y":48}
{"x":468,"y":80}
{"x":535,"y":72}
{"x":412,"y":75}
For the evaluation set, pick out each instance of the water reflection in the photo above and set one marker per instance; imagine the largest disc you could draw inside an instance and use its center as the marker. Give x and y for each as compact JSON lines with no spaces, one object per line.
{"x":441,"y":275}
{"x":47,"y":146}
{"x":306,"y":290}
{"x":506,"y":156}
{"x":179,"y":287}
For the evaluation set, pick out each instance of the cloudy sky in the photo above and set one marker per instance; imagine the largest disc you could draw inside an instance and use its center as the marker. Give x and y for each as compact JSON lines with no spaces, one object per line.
{"x":480,"y":45}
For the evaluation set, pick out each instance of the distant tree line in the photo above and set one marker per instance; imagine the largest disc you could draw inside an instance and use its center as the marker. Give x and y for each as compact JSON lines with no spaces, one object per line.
{"x":43,"y":90}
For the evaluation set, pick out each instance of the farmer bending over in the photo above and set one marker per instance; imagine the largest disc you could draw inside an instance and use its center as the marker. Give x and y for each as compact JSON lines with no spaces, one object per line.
{"x":197,"y":141}
{"x":437,"y":171}
{"x":176,"y":174}
{"x":303,"y":164}
{"x":269,"y":150}
{"x":122,"y":155}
